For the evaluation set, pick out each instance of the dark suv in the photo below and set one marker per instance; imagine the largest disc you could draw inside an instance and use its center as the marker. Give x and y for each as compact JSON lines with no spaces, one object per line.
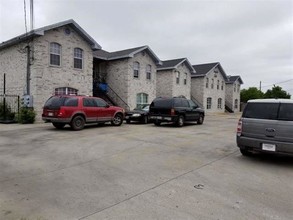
{"x":176,"y":110}
{"x":79,"y":110}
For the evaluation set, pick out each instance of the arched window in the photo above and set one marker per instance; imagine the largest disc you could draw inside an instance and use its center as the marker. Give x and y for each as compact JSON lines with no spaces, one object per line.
{"x":55,"y":54}
{"x":65,"y":91}
{"x":177,"y":77}
{"x":209,"y":103}
{"x":78,"y":58}
{"x":141,"y":100}
{"x":185,"y":78}
{"x":148,"y":72}
{"x":219,"y":103}
{"x":136,"y":67}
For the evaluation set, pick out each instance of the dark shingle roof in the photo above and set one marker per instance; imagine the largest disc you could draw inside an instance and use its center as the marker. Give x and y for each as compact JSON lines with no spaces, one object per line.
{"x":41,"y":32}
{"x":203,"y":69}
{"x":173,"y":64}
{"x":102,"y":54}
{"x":233,"y":79}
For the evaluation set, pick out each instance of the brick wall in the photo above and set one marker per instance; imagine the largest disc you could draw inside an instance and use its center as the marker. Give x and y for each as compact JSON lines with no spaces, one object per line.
{"x":45,"y":78}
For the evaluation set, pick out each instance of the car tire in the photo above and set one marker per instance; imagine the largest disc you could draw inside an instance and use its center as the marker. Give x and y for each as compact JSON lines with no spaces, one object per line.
{"x":127,"y":121}
{"x":145,"y":119}
{"x":58,"y":125}
{"x":180,"y":121}
{"x":117,"y":120}
{"x":246,"y":153}
{"x":200,"y":120}
{"x":157,"y":123}
{"x":77,"y":123}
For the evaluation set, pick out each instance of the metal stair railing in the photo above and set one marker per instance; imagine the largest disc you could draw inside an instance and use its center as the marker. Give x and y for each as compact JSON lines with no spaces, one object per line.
{"x":116,"y":98}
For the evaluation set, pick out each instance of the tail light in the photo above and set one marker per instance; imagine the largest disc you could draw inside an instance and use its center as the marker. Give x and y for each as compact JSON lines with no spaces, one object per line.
{"x":61,"y":112}
{"x":172,"y":111}
{"x":239,"y":127}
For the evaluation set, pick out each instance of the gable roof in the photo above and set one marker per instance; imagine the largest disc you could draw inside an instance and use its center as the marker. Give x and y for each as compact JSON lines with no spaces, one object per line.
{"x":41,"y":32}
{"x":203,"y":69}
{"x":173,"y":64}
{"x":233,"y":79}
{"x":128,"y":53}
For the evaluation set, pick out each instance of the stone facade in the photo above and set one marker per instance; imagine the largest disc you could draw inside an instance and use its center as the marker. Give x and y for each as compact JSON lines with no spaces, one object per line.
{"x":167,"y":85}
{"x":120,"y":78}
{"x":233,"y":95}
{"x":210,"y":87}
{"x":44,"y":77}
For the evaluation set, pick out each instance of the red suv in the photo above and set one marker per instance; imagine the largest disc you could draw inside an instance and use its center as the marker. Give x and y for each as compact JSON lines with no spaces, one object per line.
{"x":79,"y":110}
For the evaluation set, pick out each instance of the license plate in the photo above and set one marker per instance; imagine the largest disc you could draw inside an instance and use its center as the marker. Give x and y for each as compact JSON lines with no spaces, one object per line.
{"x":269,"y":147}
{"x":50,"y":114}
{"x":126,"y":117}
{"x":158,"y":117}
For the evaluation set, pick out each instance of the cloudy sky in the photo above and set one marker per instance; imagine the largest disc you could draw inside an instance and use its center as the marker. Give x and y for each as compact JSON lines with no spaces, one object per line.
{"x":251,"y":38}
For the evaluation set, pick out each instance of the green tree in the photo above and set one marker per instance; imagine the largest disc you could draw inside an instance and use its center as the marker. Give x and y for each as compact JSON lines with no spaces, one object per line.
{"x":250,"y":93}
{"x":277,"y":92}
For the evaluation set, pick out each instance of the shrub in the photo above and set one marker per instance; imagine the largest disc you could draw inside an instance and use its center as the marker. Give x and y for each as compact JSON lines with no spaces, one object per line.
{"x":5,"y":111}
{"x":26,"y":115}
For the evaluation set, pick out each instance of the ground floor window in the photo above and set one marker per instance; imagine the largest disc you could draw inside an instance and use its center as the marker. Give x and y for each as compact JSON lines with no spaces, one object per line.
{"x":209,"y":103}
{"x":236,"y":104}
{"x":141,"y":100}
{"x":65,"y":91}
{"x":219,"y":103}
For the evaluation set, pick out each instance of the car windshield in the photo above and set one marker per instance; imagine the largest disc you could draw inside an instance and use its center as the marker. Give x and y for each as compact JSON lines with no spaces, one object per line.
{"x":143,"y":108}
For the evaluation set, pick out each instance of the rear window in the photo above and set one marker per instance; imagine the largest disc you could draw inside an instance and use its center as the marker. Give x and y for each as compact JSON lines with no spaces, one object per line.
{"x":261,"y":111}
{"x":162,"y":103}
{"x":56,"y":102}
{"x":286,"y":112}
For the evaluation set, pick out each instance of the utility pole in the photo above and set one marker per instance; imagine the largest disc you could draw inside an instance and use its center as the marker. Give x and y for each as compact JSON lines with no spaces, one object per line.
{"x":259,"y":85}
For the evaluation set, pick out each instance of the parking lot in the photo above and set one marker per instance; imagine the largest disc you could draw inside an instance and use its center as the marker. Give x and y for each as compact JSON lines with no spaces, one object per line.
{"x":139,"y":171}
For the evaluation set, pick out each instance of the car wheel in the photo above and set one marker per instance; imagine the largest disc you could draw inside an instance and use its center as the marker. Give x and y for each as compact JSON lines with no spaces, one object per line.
{"x":246,"y":153}
{"x":117,"y":120}
{"x":77,"y":123}
{"x":58,"y":125}
{"x":157,"y":123}
{"x":200,"y":120}
{"x":127,"y":121}
{"x":145,"y":119}
{"x":180,"y":121}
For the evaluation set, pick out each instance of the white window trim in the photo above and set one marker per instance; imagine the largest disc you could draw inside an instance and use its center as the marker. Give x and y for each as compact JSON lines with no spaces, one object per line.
{"x":82,"y":58}
{"x":60,"y":55}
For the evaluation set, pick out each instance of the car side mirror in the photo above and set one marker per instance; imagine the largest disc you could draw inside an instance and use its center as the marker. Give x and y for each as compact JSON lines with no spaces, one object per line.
{"x":107,"y":106}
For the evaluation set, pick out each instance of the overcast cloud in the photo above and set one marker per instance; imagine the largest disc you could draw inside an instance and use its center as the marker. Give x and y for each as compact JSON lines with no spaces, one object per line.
{"x":251,"y":38}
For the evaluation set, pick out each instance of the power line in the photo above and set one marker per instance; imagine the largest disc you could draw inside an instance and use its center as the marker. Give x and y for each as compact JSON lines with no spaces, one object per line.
{"x":278,"y":83}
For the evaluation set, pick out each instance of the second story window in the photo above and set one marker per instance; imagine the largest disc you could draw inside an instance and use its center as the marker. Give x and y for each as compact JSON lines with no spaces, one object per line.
{"x":78,"y":58}
{"x":218,"y":84}
{"x":177,"y":77}
{"x":238,"y":88}
{"x":234,"y":87}
{"x":148,"y":72}
{"x":55,"y":54}
{"x":222,"y":86}
{"x":212,"y":84}
{"x":136,"y":69}
{"x":207,"y":83}
{"x":185,"y":78}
